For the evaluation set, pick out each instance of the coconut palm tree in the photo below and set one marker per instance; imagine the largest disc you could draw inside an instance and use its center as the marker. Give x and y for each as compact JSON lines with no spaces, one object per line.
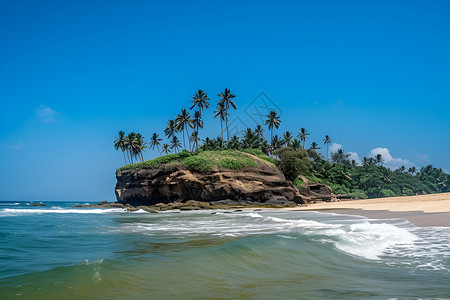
{"x":277,"y":142}
{"x":200,"y":99}
{"x":135,"y":144}
{"x":287,"y":136}
{"x":155,"y":142}
{"x":314,"y":146}
{"x":296,"y":144}
{"x":119,"y":143}
{"x":272,"y":120}
{"x":182,"y":122}
{"x":197,"y":121}
{"x":170,"y":129}
{"x":194,"y":139}
{"x":233,"y":143}
{"x":166,"y":148}
{"x":222,"y":113}
{"x":250,"y":139}
{"x":379,"y":160}
{"x":412,"y":170}
{"x":303,"y":135}
{"x":225,"y":100}
{"x":175,"y":143}
{"x":259,"y":131}
{"x":327,"y":141}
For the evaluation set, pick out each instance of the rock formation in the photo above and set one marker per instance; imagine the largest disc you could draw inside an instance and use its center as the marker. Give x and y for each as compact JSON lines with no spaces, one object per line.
{"x":167,"y":184}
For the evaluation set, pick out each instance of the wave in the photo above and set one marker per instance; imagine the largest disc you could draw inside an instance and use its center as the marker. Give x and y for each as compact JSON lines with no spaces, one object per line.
{"x":56,"y":210}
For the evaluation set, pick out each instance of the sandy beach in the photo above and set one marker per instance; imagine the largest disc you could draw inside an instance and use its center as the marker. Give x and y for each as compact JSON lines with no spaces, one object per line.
{"x":421,"y":210}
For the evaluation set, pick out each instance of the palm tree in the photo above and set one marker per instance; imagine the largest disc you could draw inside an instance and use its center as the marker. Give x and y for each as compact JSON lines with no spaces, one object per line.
{"x":166,"y":148}
{"x":135,"y":144}
{"x":273,"y":120}
{"x":119,"y":143}
{"x":222,"y":113}
{"x":197,"y":121}
{"x":155,"y":142}
{"x":412,"y":170}
{"x":194,"y":139}
{"x":314,"y":146}
{"x":233,"y":143}
{"x":259,"y":131}
{"x":303,"y":135}
{"x":296,"y":144}
{"x":287,"y":136}
{"x":379,"y":159}
{"x":182,"y":122}
{"x":175,"y":143}
{"x":250,"y":139}
{"x":327,"y":141}
{"x":170,"y":129}
{"x":200,"y":99}
{"x":277,"y":142}
{"x":226,"y":101}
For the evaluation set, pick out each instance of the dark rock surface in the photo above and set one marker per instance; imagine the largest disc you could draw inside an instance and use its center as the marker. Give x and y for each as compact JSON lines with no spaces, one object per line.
{"x":263,"y":185}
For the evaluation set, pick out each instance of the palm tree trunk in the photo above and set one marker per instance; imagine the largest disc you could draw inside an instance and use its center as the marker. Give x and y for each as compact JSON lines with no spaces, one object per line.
{"x":124,"y":158}
{"x":221,"y":128}
{"x":157,"y":147}
{"x":184,"y":143}
{"x":228,"y":137}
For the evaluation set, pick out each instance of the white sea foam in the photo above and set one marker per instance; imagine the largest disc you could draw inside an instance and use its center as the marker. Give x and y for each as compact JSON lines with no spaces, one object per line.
{"x":358,"y":237}
{"x":16,"y":212}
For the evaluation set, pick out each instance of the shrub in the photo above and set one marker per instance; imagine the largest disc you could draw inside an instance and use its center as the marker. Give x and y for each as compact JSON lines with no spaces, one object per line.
{"x":198,"y":163}
{"x":388,"y":193}
{"x":230,"y":163}
{"x":360,"y":194}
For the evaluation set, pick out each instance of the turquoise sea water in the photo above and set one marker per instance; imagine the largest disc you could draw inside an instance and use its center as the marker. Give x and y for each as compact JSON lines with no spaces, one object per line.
{"x":60,"y":252}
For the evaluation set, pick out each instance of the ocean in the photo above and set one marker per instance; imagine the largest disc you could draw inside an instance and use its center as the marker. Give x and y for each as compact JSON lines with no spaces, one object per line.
{"x":61,"y":252}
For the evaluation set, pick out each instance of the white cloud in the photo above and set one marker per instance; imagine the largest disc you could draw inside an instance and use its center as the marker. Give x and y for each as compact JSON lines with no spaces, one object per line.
{"x":389,"y":161}
{"x":354,"y":156}
{"x":15,"y":147}
{"x":335,"y":147}
{"x":45,"y":114}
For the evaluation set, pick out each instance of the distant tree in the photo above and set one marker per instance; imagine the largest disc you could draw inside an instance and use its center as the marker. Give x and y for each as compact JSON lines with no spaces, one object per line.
{"x":339,"y":156}
{"x":327,"y":142}
{"x":119,"y":143}
{"x":222,"y":114}
{"x":273,"y":120}
{"x":170,"y":128}
{"x":259,"y":131}
{"x":200,"y":99}
{"x":175,"y":143}
{"x":155,"y":142}
{"x":233,"y":143}
{"x":287,"y":136}
{"x":166,"y":148}
{"x":250,"y":139}
{"x":379,"y":160}
{"x":226,"y":101}
{"x":412,"y":170}
{"x":277,"y":142}
{"x":303,"y":135}
{"x":296,"y":144}
{"x":194,"y":139}
{"x":183,"y":121}
{"x":314,"y":146}
{"x":135,"y":144}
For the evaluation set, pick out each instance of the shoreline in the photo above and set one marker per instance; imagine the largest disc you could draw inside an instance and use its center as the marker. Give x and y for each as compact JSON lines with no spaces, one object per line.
{"x":421,"y":210}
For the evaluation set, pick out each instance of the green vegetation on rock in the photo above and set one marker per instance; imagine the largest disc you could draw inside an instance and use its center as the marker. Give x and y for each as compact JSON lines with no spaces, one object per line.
{"x":205,"y":161}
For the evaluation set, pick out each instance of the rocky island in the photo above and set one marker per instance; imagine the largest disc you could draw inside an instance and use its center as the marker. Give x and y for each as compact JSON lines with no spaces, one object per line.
{"x":217,"y":177}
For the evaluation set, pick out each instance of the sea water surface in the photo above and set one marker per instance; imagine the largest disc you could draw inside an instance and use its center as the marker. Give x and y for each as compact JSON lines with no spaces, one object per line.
{"x":61,"y":252}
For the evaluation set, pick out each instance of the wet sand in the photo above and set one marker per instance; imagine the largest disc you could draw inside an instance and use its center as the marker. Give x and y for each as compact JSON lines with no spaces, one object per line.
{"x":422,"y":210}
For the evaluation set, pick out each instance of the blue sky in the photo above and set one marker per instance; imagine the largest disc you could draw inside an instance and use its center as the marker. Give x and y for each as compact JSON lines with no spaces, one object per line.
{"x":375,"y":76}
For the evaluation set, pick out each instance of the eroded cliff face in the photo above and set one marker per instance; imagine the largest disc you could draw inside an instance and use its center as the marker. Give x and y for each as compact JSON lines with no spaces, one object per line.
{"x":265,"y":184}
